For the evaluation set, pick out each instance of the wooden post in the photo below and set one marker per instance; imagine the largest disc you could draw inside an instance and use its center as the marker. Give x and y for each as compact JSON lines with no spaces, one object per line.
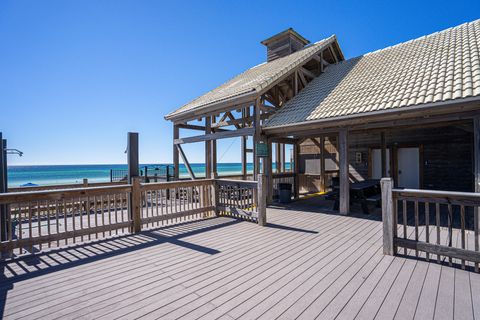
{"x":277,"y":157}
{"x":214,"y":173}
{"x":269,"y":172}
{"x":296,"y":163}
{"x":256,"y":137}
{"x":3,"y":178}
{"x":322,"y":164}
{"x":176,"y":159}
{"x":215,"y":197}
{"x":384,"y":154}
{"x":208,"y":148}
{"x":135,"y":205}
{"x":282,"y":157}
{"x":134,"y":180}
{"x":132,"y":154}
{"x":244,"y":158}
{"x":85,"y":183}
{"x":476,"y":169}
{"x":262,"y":200}
{"x":344,"y":174}
{"x":387,"y":216}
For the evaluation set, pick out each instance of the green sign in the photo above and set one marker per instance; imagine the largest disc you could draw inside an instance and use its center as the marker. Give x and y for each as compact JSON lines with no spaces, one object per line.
{"x":261,"y":150}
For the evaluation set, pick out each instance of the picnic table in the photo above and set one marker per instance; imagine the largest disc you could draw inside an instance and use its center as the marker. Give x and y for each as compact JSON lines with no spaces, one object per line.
{"x":364,"y":192}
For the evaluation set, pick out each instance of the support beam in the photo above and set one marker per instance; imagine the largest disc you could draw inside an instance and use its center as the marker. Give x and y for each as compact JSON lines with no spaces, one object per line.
{"x":176,"y":169}
{"x":208,"y":148}
{"x":284,"y":140}
{"x":476,"y":172}
{"x":384,"y":154}
{"x":322,"y":164}
{"x":132,"y":153}
{"x":216,"y":136}
{"x":277,"y":157}
{"x":245,"y":114}
{"x":214,"y":173}
{"x":282,"y":157}
{"x":344,"y":174}
{"x":476,"y":152}
{"x":296,"y":168}
{"x":185,"y":161}
{"x":196,"y":127}
{"x":3,"y":208}
{"x":247,"y":120}
{"x":388,"y":216}
{"x":308,"y":73}
{"x":295,"y":83}
{"x":268,"y":172}
{"x":256,"y":137}
{"x":244,"y":158}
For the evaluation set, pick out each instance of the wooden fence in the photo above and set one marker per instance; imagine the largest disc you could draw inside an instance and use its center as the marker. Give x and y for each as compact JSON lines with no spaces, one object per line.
{"x":52,"y":218}
{"x":442,"y":225}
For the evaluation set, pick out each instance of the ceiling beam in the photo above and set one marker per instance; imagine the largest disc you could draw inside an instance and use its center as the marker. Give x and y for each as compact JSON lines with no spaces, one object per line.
{"x":216,"y":136}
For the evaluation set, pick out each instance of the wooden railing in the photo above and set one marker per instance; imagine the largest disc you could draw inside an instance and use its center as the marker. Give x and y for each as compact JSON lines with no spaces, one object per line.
{"x":237,"y":198}
{"x":60,"y":217}
{"x":84,"y":184}
{"x":173,"y":202}
{"x":37,"y":220}
{"x":442,"y":225}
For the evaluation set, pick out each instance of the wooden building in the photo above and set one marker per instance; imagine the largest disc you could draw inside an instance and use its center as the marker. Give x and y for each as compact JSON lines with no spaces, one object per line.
{"x":410,"y":111}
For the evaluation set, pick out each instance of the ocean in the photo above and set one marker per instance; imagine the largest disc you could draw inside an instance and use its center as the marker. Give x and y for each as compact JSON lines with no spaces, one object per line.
{"x":67,"y":174}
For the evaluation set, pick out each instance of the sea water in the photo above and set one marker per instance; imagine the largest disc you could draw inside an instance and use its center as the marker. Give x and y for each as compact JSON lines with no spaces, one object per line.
{"x":67,"y":174}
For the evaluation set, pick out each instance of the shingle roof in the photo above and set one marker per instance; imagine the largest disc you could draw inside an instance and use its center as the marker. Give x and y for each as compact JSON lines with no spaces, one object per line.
{"x":436,"y":68}
{"x":256,"y":78}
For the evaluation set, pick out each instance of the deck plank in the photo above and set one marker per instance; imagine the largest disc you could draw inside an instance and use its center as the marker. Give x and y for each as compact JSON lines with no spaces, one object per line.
{"x":305,"y":265}
{"x":445,"y":294}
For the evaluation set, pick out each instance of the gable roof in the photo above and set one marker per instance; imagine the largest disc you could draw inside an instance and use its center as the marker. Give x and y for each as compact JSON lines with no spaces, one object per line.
{"x":440,"y":67}
{"x":255,"y":79}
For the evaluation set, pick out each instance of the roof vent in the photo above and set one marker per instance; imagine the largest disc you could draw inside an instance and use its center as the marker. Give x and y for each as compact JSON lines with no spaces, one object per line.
{"x":284,"y":43}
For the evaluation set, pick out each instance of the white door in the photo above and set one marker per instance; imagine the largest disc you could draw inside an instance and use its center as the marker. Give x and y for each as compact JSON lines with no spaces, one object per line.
{"x":377,"y":163}
{"x":409,"y":168}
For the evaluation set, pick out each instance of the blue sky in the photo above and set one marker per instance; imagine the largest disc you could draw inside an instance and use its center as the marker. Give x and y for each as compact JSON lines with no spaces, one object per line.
{"x":76,"y":76}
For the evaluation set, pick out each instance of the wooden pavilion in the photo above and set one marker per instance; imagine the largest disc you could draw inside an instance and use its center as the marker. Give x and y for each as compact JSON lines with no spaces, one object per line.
{"x":410,"y":111}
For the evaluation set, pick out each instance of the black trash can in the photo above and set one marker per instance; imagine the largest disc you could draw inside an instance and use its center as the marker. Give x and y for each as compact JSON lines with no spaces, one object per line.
{"x":285,"y":190}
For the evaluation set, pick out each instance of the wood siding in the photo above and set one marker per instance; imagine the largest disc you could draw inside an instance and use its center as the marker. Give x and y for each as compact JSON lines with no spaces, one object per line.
{"x":446,"y":156}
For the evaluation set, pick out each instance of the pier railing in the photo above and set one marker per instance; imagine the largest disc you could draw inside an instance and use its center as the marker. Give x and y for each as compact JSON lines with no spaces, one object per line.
{"x":36,"y":220}
{"x":434,"y":225}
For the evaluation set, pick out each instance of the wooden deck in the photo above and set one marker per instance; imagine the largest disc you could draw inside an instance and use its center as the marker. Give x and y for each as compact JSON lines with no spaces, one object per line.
{"x":304,"y":265}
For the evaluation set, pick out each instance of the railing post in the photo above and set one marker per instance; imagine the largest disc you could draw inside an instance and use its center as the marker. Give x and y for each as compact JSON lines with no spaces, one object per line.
{"x":262,"y":199}
{"x":135,"y":205}
{"x":388,"y":215}
{"x":215,"y":197}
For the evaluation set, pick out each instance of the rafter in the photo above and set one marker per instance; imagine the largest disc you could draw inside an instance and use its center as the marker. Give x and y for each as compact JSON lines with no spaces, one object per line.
{"x":308,"y":73}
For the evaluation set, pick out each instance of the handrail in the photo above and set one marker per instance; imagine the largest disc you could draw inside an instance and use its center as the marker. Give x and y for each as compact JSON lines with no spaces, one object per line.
{"x":64,"y":216}
{"x":173,"y":184}
{"x":60,"y":194}
{"x":247,"y":183}
{"x":65,"y":186}
{"x":399,"y":206}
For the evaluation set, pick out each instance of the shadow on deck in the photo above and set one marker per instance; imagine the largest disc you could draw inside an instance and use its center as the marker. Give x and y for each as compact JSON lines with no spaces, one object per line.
{"x":50,"y":261}
{"x":307,"y":263}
